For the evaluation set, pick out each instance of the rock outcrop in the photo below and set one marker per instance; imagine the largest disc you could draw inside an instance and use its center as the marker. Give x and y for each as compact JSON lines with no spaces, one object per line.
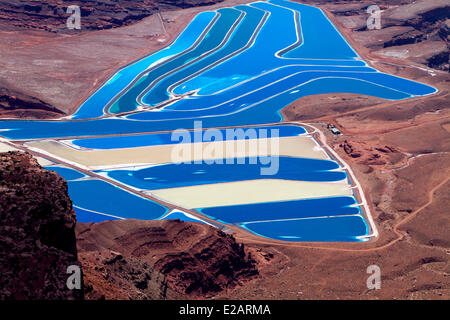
{"x":160,"y":259}
{"x":37,"y":231}
{"x":369,"y":155}
{"x":418,"y":30}
{"x":95,"y":14}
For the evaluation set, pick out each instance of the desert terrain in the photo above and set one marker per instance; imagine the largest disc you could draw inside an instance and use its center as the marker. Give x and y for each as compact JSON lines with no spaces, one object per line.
{"x":398,"y":150}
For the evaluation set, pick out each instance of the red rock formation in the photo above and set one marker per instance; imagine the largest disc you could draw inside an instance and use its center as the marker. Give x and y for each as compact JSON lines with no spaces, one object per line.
{"x":37,"y":238}
{"x":367,"y":154}
{"x":160,"y":259}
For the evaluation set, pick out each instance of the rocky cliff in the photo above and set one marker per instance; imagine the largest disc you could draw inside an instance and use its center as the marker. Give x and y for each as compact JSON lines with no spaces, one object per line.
{"x":37,"y":231}
{"x":95,"y":14}
{"x":136,"y":259}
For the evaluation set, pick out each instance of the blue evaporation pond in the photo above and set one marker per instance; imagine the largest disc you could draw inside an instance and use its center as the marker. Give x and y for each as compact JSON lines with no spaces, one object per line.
{"x":342,"y":228}
{"x":223,"y":24}
{"x":198,"y":102}
{"x":93,"y":106}
{"x":66,"y":173}
{"x":183,"y":217}
{"x":237,"y":41}
{"x":166,"y":138}
{"x":284,"y":92}
{"x":180,"y":175}
{"x":261,"y":112}
{"x":260,"y":55}
{"x":313,"y":36}
{"x":90,"y":216}
{"x":317,"y":48}
{"x":320,"y":207}
{"x":100,"y":196}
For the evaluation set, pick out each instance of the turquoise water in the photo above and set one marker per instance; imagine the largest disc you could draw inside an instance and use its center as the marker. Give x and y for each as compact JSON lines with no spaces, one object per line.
{"x":96,"y":200}
{"x":261,"y":57}
{"x":91,"y":216}
{"x":313,"y":45}
{"x":93,"y":106}
{"x":259,"y":107}
{"x":182,"y":175}
{"x":100,"y":196}
{"x":227,"y":18}
{"x":283,"y":210}
{"x":239,"y":38}
{"x":342,"y":228}
{"x":67,"y":173}
{"x":166,"y":138}
{"x":231,"y":67}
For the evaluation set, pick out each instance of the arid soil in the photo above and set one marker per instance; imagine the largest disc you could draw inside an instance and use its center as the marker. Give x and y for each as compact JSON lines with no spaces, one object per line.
{"x":37,"y":231}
